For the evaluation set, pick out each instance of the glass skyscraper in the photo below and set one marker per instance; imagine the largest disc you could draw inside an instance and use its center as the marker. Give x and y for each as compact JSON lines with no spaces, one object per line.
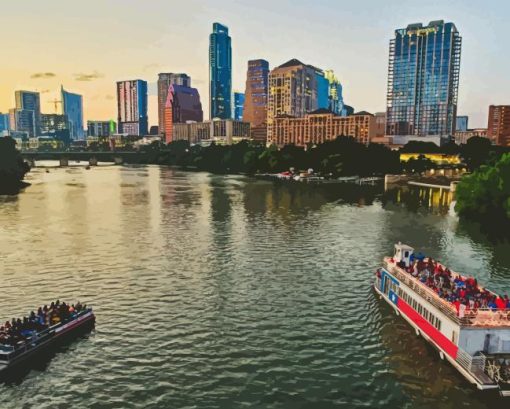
{"x":335,"y":97}
{"x":26,"y":117}
{"x":220,"y":72}
{"x":72,"y":107}
{"x":238,"y":106}
{"x":322,"y":89}
{"x":132,"y":107}
{"x":423,"y":81}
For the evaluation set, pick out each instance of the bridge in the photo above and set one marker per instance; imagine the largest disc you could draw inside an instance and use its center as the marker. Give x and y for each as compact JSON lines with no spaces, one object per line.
{"x":117,"y":157}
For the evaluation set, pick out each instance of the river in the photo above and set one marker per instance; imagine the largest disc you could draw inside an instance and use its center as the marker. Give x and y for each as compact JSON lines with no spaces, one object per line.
{"x":226,"y":292}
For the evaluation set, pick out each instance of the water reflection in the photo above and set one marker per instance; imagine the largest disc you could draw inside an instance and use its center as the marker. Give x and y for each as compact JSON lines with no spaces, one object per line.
{"x":223,"y":291}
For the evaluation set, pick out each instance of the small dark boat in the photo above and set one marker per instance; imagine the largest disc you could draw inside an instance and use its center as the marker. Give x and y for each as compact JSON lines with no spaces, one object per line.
{"x":37,"y":343}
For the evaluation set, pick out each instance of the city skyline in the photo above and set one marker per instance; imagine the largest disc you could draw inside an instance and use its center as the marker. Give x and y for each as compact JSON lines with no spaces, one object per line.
{"x":356,"y":51}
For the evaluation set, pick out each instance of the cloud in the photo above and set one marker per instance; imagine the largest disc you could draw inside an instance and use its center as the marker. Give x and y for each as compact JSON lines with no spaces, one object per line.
{"x":43,"y":75}
{"x":110,"y":97}
{"x":44,"y":91}
{"x":88,"y":77}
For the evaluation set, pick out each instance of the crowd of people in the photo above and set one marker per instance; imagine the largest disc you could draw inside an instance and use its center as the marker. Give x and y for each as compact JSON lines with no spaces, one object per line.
{"x":19,"y":330}
{"x":463,"y":292}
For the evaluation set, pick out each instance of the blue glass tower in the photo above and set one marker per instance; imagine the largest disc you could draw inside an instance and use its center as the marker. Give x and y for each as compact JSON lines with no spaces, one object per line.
{"x":423,"y":80}
{"x":238,"y":106}
{"x":322,"y":90}
{"x":220,"y":72}
{"x":72,"y":106}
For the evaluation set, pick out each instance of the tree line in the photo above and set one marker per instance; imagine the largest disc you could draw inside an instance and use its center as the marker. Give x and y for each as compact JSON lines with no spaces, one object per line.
{"x":12,"y":167}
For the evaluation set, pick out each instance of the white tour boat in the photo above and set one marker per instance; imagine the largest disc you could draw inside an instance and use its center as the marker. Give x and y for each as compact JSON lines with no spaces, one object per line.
{"x":468,"y":324}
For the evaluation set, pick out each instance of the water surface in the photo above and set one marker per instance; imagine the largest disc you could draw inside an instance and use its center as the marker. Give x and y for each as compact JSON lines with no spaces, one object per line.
{"x":225,"y":292}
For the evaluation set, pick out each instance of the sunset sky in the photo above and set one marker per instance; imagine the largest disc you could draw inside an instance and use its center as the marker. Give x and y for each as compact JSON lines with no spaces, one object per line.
{"x":89,"y":45}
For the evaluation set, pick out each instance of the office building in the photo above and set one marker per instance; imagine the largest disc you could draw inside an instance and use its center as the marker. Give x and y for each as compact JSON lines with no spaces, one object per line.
{"x":132,"y":107}
{"x":23,"y":120}
{"x":4,"y":122}
{"x":335,"y":96}
{"x":320,"y":126}
{"x":256,"y":95}
{"x":101,"y":128}
{"x":498,"y":127}
{"x":238,"y":106}
{"x":27,"y":101}
{"x":322,"y":89}
{"x":164,"y":82}
{"x":221,"y":132}
{"x":182,"y":105}
{"x":423,"y":82}
{"x":72,"y":107}
{"x":55,"y":126}
{"x":461,"y":123}
{"x":220,"y":72}
{"x":461,"y":137}
{"x":292,"y":91}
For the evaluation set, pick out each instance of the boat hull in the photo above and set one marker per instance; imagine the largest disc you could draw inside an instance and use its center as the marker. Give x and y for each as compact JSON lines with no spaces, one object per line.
{"x":41,"y":353}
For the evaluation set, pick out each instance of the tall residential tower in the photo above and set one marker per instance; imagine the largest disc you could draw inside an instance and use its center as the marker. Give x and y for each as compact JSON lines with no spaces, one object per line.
{"x":132,"y":107}
{"x":220,"y":72}
{"x":293,"y":90}
{"x":72,"y":107}
{"x":255,"y":101}
{"x":423,"y":82}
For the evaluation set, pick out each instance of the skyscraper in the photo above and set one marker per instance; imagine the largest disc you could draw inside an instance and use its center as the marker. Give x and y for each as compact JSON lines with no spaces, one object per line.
{"x":335,"y":97}
{"x":132,"y":107}
{"x":220,"y":72}
{"x":72,"y":107}
{"x":238,"y":106}
{"x":423,"y":82}
{"x":101,"y":128}
{"x":27,"y":101}
{"x":292,"y":91}
{"x":256,"y":95}
{"x":498,"y":127}
{"x":182,"y":105}
{"x":322,"y":89}
{"x":164,"y":82}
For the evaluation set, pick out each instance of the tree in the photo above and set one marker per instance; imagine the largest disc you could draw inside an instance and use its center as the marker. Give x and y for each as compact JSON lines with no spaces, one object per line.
{"x":485,"y":194}
{"x":476,"y":152}
{"x":12,"y":167}
{"x":418,"y":165}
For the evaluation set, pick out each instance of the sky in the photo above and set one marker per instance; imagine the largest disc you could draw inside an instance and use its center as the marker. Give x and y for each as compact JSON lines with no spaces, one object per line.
{"x":89,"y":45}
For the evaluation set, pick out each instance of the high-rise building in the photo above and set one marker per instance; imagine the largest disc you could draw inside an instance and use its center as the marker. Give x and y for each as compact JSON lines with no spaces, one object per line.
{"x":238,"y":106}
{"x":292,"y":91}
{"x":4,"y":122}
{"x":72,"y":107}
{"x":256,"y":95}
{"x":461,"y":123}
{"x":132,"y":107}
{"x":101,"y":128}
{"x":23,"y":120}
{"x":55,"y":126}
{"x":320,"y":126}
{"x":336,"y":99}
{"x":322,"y":89}
{"x":164,"y":82}
{"x":182,"y":105}
{"x":28,"y":101}
{"x":423,"y":82}
{"x":498,"y":127}
{"x":220,"y":72}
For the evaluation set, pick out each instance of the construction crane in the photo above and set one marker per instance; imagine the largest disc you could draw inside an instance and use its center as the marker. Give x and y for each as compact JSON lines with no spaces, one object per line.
{"x":56,"y":102}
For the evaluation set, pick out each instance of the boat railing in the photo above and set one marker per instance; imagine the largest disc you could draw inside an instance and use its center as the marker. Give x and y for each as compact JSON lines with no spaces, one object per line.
{"x":29,"y":343}
{"x":478,"y":317}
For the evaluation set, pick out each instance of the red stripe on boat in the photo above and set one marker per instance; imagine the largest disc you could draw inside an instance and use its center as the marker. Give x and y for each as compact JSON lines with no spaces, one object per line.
{"x":427,"y":328}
